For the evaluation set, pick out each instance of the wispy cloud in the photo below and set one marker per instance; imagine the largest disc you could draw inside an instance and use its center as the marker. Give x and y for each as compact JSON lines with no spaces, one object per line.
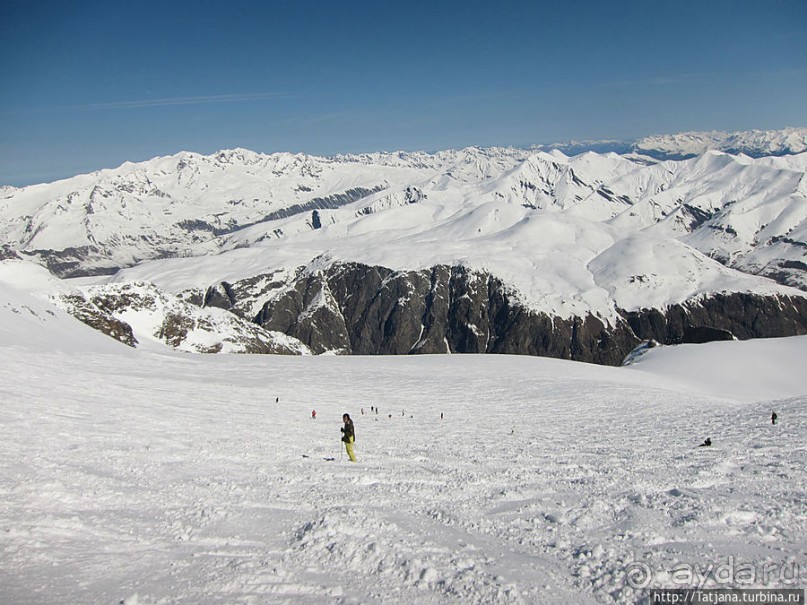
{"x":146,"y":103}
{"x":175,"y":101}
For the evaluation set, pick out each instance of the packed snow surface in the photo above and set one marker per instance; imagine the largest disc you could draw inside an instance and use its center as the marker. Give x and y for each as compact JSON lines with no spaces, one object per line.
{"x":140,"y":476}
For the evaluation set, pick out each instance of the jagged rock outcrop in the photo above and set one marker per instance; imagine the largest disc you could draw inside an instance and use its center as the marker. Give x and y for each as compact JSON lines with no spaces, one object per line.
{"x":8,"y":253}
{"x":220,"y":296}
{"x":352,"y":308}
{"x":183,"y":325}
{"x":91,"y":314}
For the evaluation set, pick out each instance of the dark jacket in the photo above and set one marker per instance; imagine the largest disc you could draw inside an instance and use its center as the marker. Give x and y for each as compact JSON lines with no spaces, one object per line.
{"x":348,"y":434}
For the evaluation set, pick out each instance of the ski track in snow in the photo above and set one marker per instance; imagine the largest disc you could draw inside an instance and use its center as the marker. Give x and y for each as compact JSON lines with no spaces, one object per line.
{"x":151,"y":478}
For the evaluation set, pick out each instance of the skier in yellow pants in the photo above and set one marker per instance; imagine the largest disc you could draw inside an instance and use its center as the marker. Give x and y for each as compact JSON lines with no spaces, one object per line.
{"x":348,"y":436}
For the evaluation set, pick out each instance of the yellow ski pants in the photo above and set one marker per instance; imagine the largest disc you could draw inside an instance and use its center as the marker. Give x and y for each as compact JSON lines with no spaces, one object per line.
{"x":349,"y":449}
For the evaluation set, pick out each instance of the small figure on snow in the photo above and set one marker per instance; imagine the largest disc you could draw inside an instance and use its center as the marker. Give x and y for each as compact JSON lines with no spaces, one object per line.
{"x":441,"y":415}
{"x":706,"y":443}
{"x":362,"y":411}
{"x":277,"y":399}
{"x":774,"y":417}
{"x":313,"y":414}
{"x":348,"y":436}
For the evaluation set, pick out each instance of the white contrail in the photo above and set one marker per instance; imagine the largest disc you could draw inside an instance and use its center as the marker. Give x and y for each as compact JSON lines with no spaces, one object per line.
{"x":258,"y":96}
{"x":143,"y":103}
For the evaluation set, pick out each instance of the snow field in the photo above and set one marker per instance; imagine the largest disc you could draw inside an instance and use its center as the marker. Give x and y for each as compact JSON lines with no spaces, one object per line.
{"x":150,"y":478}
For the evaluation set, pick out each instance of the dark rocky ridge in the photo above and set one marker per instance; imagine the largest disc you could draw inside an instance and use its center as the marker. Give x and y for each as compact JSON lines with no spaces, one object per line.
{"x":179,"y":319}
{"x":98,"y":318}
{"x":72,"y":262}
{"x":8,"y":253}
{"x":357,"y":309}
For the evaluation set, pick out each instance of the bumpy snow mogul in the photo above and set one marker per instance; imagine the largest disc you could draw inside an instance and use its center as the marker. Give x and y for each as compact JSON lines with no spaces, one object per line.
{"x":478,"y":250}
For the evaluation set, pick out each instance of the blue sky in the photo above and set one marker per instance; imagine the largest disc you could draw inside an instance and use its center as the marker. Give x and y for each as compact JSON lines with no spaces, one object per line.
{"x":89,"y":85}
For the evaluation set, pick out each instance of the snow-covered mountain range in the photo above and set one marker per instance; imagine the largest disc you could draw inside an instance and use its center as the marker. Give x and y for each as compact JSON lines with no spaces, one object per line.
{"x":683,"y":145}
{"x":497,"y":250}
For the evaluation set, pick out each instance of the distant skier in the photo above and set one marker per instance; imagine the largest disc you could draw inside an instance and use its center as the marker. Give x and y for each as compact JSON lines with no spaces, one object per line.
{"x":706,"y":443}
{"x":313,"y":414}
{"x":277,"y":399}
{"x":348,"y":436}
{"x":441,"y":415}
{"x":774,"y":417}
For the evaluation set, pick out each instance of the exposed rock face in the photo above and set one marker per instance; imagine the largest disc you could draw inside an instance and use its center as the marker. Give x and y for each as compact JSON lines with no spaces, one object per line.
{"x":351,"y":308}
{"x":95,"y":317}
{"x":741,"y":315}
{"x":183,"y":325}
{"x":8,"y":253}
{"x":74,"y":261}
{"x":221,"y":296}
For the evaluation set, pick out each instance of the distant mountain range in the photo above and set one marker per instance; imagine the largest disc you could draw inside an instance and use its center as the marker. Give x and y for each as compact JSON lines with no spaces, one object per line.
{"x":684,"y":145}
{"x":537,"y":251}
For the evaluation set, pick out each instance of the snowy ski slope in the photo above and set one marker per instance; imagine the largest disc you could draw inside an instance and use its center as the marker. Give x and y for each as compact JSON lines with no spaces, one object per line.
{"x":144,"y":477}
